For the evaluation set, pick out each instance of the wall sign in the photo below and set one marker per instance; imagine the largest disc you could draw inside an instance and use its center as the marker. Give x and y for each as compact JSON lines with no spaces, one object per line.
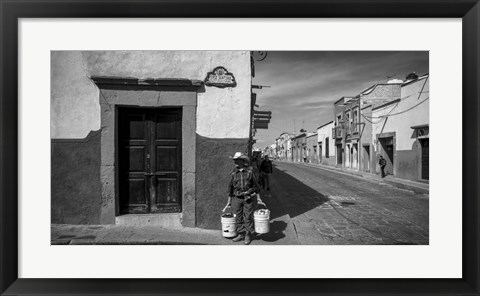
{"x":220,"y":77}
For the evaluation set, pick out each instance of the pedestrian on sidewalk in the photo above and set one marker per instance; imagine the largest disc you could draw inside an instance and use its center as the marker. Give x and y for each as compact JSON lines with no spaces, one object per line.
{"x":242,"y":193}
{"x":382,"y":162}
{"x":256,"y":162}
{"x":266,"y":170}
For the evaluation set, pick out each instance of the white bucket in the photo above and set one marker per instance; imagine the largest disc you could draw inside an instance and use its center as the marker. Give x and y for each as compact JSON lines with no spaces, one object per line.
{"x":262,"y":221}
{"x":229,"y":226}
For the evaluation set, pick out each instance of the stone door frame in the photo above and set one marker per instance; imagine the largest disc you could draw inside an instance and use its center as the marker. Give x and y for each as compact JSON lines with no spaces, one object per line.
{"x":114,"y":92}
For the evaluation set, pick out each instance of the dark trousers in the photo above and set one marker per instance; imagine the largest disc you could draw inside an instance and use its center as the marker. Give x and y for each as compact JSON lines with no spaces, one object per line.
{"x":266,"y":180}
{"x":244,"y":210}
{"x":382,"y":167}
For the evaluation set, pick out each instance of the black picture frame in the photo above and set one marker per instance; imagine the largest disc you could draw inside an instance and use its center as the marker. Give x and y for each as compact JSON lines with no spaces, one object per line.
{"x":11,"y":11}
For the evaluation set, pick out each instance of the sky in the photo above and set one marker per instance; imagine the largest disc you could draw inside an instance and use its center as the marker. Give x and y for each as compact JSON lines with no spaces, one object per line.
{"x":304,"y":85}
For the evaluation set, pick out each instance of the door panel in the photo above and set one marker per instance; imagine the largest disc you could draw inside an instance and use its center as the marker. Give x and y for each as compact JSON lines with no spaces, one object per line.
{"x":166,"y":126}
{"x":150,"y":160}
{"x":136,"y":158}
{"x":167,"y":158}
{"x":135,"y":126}
{"x":136,"y":191}
{"x":167,"y":195}
{"x":166,"y":164}
{"x":133,"y":143}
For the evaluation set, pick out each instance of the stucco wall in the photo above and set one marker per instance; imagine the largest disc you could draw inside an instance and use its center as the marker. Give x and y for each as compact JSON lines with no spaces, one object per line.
{"x":382,"y":93}
{"x":222,"y":124}
{"x":403,"y":122}
{"x":367,"y":162}
{"x":75,"y":182}
{"x":74,"y":105}
{"x":326,"y":132}
{"x":75,"y":110}
{"x":312,"y":153}
{"x":412,"y":110}
{"x":213,"y":172}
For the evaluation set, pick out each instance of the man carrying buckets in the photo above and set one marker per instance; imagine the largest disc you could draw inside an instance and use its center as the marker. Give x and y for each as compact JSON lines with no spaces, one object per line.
{"x":242,"y":191}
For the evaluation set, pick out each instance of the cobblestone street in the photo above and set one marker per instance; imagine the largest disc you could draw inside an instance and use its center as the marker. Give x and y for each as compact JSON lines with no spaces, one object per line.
{"x":327,"y":207}
{"x":309,"y":205}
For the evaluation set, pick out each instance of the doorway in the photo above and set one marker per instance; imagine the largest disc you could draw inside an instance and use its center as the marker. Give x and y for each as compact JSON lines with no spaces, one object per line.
{"x":425,"y":159}
{"x":355,"y":156}
{"x":149,"y":158}
{"x":366,"y":158}
{"x":339,"y":155}
{"x":320,"y":151}
{"x":387,"y":144}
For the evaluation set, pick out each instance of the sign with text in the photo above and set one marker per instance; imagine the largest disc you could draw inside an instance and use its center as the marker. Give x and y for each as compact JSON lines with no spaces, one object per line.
{"x":220,"y":77}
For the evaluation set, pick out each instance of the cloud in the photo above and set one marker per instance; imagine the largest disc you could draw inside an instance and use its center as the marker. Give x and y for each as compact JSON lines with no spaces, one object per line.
{"x":304,"y":85}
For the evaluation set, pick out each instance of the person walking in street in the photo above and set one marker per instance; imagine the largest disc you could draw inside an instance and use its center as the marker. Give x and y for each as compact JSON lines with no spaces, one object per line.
{"x":382,"y":162}
{"x":242,"y":193}
{"x":266,"y":170}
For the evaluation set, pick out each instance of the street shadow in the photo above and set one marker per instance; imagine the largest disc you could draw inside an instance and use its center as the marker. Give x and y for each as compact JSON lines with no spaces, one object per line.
{"x":296,"y":197}
{"x":276,"y":232}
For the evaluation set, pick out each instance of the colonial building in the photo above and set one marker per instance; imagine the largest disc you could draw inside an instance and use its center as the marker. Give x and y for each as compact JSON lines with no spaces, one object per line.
{"x":341,"y":129}
{"x":353,"y":125}
{"x":375,"y":95}
{"x":299,"y":144}
{"x":283,"y":143}
{"x":312,"y":148}
{"x":289,"y":148}
{"x":400,"y":130}
{"x":144,"y":137}
{"x":326,"y":144}
{"x":271,"y":151}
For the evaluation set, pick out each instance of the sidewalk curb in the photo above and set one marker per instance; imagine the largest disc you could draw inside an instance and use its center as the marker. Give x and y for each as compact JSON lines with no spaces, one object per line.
{"x":410,"y":187}
{"x":413,"y":188}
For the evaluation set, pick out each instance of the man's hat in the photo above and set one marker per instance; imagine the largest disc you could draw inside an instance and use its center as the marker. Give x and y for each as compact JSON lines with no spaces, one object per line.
{"x":240,"y":155}
{"x":237,"y":155}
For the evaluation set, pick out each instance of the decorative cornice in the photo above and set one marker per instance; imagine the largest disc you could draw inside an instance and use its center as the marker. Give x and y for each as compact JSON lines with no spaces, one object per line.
{"x":179,"y":82}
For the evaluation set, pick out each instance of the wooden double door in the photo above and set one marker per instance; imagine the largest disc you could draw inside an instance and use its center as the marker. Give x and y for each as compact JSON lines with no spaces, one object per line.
{"x":150,"y":160}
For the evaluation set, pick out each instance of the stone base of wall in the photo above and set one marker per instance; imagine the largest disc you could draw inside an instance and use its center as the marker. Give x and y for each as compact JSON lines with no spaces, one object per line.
{"x":75,"y":180}
{"x":407,"y":164}
{"x":213,"y":171}
{"x":76,"y":189}
{"x":328,"y":161}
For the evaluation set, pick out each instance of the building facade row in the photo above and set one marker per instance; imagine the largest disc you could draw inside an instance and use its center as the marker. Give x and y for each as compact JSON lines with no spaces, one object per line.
{"x":391,"y":120}
{"x":388,"y":119}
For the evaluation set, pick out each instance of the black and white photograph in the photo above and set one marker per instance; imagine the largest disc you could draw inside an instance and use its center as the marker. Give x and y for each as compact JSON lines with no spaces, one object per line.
{"x":239,"y":147}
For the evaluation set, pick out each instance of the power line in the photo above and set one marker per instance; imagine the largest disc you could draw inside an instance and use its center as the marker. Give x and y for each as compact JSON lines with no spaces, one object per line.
{"x":381,"y":119}
{"x":384,"y":115}
{"x":401,"y":112}
{"x":396,"y":105}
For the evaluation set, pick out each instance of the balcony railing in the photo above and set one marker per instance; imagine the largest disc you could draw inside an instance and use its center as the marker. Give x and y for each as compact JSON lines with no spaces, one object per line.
{"x":337,"y":132}
{"x":344,"y":129}
{"x":352,"y":128}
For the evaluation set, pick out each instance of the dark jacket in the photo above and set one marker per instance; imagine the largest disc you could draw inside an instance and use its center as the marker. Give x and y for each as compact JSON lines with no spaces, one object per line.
{"x":243,"y":182}
{"x":266,"y":167}
{"x":382,"y":162}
